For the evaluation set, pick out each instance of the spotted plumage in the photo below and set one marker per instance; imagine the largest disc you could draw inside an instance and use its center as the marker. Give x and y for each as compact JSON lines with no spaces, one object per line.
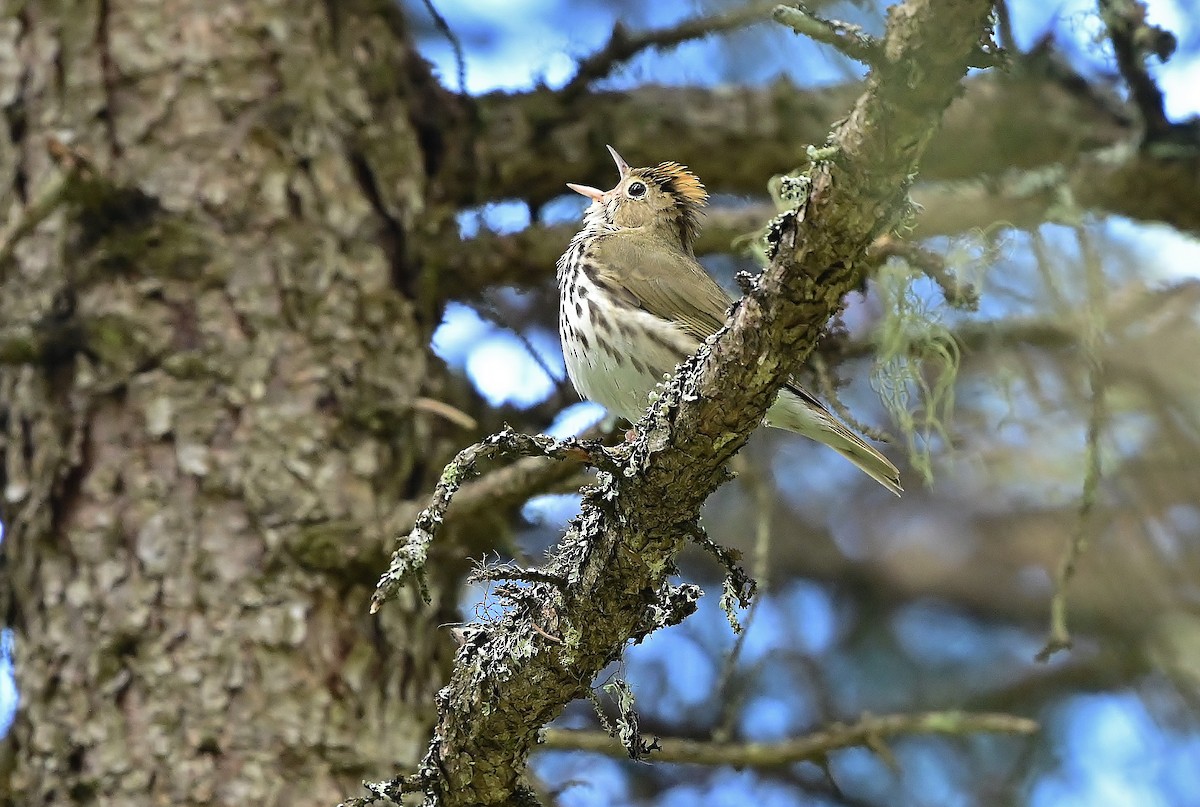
{"x":634,"y":302}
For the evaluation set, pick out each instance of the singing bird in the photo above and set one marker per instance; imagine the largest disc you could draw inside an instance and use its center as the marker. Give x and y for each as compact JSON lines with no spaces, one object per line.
{"x":634,"y":302}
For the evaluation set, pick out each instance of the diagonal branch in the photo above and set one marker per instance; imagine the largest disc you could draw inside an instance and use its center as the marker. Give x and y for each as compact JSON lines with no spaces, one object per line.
{"x":460,"y":60}
{"x":617,"y":556}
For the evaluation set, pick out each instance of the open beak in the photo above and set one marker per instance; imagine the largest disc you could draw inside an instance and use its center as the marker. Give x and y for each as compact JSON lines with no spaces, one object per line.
{"x":622,"y":166}
{"x":598,"y":195}
{"x":594,"y":194}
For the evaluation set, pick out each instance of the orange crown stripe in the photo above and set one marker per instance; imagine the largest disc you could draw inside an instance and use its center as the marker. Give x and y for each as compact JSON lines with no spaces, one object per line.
{"x":678,"y":180}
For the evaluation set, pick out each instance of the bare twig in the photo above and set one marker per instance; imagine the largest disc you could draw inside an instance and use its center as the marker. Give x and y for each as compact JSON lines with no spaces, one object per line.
{"x":828,"y":391}
{"x":492,"y":312}
{"x":848,"y":39}
{"x":866,"y":732}
{"x":445,"y":411}
{"x":460,"y":60}
{"x":624,"y":45}
{"x":1060,"y":637}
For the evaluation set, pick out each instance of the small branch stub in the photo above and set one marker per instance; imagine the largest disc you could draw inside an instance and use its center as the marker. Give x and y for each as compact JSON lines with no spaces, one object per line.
{"x":848,"y":39}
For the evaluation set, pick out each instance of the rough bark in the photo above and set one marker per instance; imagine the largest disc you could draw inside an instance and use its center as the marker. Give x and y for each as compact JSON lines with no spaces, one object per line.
{"x":216,"y":328}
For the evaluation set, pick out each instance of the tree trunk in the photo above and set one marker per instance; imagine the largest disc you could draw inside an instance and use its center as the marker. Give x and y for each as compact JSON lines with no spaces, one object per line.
{"x":214,"y":338}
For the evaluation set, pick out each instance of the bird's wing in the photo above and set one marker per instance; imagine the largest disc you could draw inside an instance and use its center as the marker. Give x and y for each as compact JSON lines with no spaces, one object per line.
{"x":665,"y":282}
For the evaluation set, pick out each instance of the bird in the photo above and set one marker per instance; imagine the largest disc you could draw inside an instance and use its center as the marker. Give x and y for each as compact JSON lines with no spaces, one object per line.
{"x":634,"y":302}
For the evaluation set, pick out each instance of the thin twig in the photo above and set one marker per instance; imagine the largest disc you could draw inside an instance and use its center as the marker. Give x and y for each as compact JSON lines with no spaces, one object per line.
{"x":459,"y":59}
{"x":445,"y":411}
{"x":866,"y":732}
{"x":933,"y":265}
{"x":492,"y":312}
{"x":624,"y":45}
{"x":739,"y":588}
{"x":828,"y":391}
{"x":1060,"y":637}
{"x":759,"y":487}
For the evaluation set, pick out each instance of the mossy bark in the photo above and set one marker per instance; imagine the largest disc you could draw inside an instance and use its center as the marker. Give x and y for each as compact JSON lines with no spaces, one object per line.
{"x":200,"y":484}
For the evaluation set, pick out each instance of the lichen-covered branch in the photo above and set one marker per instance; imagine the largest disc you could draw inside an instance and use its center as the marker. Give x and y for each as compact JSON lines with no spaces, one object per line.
{"x":1122,"y":180}
{"x":408,"y":560}
{"x":509,"y":679}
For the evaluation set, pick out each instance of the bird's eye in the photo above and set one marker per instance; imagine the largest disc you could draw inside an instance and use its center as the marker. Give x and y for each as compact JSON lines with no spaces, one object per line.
{"x":636,"y":190}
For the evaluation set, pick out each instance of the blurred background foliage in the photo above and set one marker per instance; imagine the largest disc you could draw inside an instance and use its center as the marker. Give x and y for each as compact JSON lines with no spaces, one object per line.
{"x":1081,"y":353}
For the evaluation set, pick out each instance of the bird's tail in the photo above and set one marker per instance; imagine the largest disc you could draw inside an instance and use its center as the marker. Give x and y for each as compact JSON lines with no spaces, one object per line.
{"x":798,"y":411}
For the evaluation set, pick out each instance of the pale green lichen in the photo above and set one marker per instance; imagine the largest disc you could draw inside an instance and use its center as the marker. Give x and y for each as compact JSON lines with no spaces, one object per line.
{"x":916,"y":365}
